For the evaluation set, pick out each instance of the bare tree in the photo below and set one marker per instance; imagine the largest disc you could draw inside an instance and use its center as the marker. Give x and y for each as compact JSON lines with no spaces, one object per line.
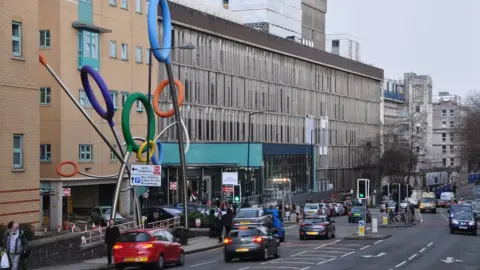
{"x":469,"y":130}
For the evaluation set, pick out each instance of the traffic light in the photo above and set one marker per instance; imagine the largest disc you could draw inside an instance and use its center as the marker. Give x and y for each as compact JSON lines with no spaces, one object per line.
{"x":237,"y":194}
{"x":362,"y":188}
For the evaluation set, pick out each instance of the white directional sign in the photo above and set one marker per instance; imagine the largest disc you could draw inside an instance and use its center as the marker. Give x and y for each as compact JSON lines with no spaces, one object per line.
{"x":476,"y":190}
{"x":450,"y":260}
{"x":146,"y":175}
{"x":375,"y":256}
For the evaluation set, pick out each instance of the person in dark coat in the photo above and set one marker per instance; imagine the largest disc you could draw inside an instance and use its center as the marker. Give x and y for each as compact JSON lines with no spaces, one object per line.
{"x":219,"y":227}
{"x":111,"y":234}
{"x":227,"y":221}
{"x":211,"y":223}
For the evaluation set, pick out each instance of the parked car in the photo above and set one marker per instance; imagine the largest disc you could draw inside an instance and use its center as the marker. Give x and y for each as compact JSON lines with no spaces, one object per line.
{"x":158,"y":213}
{"x":102,"y":214}
{"x":147,"y":248}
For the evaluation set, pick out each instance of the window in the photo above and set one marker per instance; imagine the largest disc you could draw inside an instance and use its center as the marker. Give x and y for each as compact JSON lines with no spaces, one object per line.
{"x":139,"y":106}
{"x":44,"y":38}
{"x":113,"y":2}
{"x":417,"y":108}
{"x":444,"y":161}
{"x":17,"y":39}
{"x":45,"y":96}
{"x":138,"y":54}
{"x":114,"y":97}
{"x":124,"y":4}
{"x":452,"y":124}
{"x":452,"y":161}
{"x":113,"y":49}
{"x":113,"y":158}
{"x":124,"y":51}
{"x":138,"y":6}
{"x":452,"y":113}
{"x":444,"y":149}
{"x":85,"y":152}
{"x":451,"y":138}
{"x":146,"y":9}
{"x":418,"y":149}
{"x":45,"y":152}
{"x":452,"y":149}
{"x":94,"y":45}
{"x":88,"y":45}
{"x":444,"y":122}
{"x":17,"y":151}
{"x":124,"y":98}
{"x":444,"y":113}
{"x":84,"y":102}
{"x":418,"y":130}
{"x":147,"y":56}
{"x":335,"y":43}
{"x":444,"y":137}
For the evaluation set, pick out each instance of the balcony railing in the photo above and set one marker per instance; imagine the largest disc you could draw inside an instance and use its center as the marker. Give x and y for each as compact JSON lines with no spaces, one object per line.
{"x":394,"y":96}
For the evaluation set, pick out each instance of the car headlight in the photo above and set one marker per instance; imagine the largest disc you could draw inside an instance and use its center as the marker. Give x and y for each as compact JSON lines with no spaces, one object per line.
{"x":451,"y":215}
{"x":454,"y":221}
{"x":471,"y":223}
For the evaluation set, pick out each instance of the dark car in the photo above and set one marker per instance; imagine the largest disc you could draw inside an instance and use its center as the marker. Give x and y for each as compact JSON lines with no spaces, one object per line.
{"x":476,"y":211}
{"x":250,"y":216}
{"x":317,"y":226}
{"x":191,"y":207}
{"x":463,"y":222}
{"x":455,"y":208}
{"x":251,"y":241}
{"x":357,"y":213}
{"x":158,"y":213}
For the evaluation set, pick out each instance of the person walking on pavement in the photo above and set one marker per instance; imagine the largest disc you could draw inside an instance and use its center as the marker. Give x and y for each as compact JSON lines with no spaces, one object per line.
{"x":227,"y":221}
{"x":16,"y":245}
{"x":111,"y":234}
{"x":219,"y":227}
{"x":246,"y":204}
{"x":211,"y":222}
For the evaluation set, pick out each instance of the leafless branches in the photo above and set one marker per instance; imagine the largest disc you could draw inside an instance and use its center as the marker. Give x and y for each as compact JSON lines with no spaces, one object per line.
{"x":469,"y":129}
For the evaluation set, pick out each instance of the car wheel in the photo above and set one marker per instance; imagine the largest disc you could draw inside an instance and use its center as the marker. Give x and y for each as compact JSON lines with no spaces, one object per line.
{"x":181,"y":259}
{"x":452,"y":231}
{"x":119,"y":267}
{"x":301,"y":237}
{"x":227,"y":257}
{"x":329,"y":235}
{"x":277,"y":253}
{"x":265,"y":254}
{"x":160,"y":262}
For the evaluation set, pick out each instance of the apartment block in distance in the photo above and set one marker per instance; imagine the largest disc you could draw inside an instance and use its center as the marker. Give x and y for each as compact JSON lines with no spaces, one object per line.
{"x":110,"y":36}
{"x":19,"y":112}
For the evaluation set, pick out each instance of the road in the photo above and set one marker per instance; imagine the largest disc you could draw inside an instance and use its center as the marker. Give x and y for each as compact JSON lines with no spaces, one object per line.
{"x":428,"y":245}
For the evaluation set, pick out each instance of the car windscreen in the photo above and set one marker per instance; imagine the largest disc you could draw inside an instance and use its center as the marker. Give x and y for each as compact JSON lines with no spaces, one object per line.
{"x":464,"y":216}
{"x":311,"y":207}
{"x":428,"y":200}
{"x":173,"y":212}
{"x":106,"y":211}
{"x":247,"y":214}
{"x":314,"y":220}
{"x":459,"y":207}
{"x":243,"y":233}
{"x":357,"y":210}
{"x":134,"y":237}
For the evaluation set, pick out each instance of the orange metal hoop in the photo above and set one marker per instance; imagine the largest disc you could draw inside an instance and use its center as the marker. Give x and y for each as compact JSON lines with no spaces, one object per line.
{"x":158,"y":91}
{"x":76,"y":169}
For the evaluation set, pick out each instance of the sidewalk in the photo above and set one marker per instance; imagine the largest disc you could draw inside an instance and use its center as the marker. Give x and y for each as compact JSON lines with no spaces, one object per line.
{"x":197,"y":244}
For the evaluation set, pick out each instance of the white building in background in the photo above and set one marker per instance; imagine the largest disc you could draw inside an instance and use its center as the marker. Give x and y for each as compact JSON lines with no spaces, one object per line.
{"x":277,"y":17}
{"x":213,"y":7}
{"x":344,"y":45}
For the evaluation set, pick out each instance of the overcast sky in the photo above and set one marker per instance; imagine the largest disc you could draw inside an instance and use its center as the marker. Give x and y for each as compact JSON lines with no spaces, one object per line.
{"x":440,"y":38}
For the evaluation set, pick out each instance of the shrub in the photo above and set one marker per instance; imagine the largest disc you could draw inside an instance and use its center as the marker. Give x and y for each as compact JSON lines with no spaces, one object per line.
{"x":192,"y":216}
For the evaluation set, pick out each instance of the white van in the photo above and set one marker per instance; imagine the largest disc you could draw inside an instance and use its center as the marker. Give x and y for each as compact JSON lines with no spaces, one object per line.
{"x":447,"y":196}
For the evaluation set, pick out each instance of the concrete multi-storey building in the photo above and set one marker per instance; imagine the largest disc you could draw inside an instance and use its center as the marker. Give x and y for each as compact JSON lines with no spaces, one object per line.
{"x":287,"y":90}
{"x":19,"y":112}
{"x":447,"y":113}
{"x":344,"y":45}
{"x":313,"y":23}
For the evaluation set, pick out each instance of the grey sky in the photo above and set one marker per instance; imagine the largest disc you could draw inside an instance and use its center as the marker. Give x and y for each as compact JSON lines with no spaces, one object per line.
{"x":435,"y":37}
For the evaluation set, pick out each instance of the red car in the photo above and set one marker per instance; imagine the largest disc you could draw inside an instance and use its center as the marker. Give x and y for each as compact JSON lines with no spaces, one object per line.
{"x":154,"y":247}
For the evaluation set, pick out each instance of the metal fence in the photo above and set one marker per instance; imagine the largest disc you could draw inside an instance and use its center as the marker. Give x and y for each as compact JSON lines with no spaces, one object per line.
{"x":98,"y":235}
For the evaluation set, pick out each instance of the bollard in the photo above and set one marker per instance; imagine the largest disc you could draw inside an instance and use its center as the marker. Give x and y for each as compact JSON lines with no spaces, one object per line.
{"x":86,"y":229}
{"x":385,"y":219}
{"x":361,"y":228}
{"x":374,"y":225}
{"x":93,"y":225}
{"x":45,"y":229}
{"x":73,"y":228}
{"x":66,"y":225}
{"x":59,"y":227}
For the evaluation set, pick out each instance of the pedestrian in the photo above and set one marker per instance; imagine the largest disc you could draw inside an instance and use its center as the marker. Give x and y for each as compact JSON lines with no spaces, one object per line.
{"x":227,"y":221}
{"x":111,"y":235}
{"x":219,"y":227}
{"x":246,"y":204}
{"x":211,"y":223}
{"x":16,"y":245}
{"x":297,"y":211}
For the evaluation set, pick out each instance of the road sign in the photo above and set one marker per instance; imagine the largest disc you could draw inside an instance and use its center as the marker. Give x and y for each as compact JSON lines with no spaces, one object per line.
{"x":145,"y":195}
{"x":361,"y":228}
{"x":198,"y":222}
{"x":173,"y":185}
{"x":146,"y":175}
{"x":476,"y":190}
{"x":67,"y":192}
{"x":450,"y":260}
{"x":227,"y":191}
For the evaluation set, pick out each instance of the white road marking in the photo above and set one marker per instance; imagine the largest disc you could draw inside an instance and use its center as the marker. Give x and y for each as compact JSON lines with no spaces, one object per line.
{"x":268,"y":267}
{"x":328,"y":251}
{"x":332,"y":259}
{"x":400,"y":264}
{"x":200,"y":264}
{"x":441,"y":212}
{"x":272,"y":261}
{"x":364,"y":247}
{"x":413,"y":256}
{"x":328,"y":244}
{"x":245,"y":268}
{"x":347,"y":245}
{"x":379,"y":241}
{"x":305,"y":268}
{"x":422,"y":250}
{"x":197,"y":239}
{"x":306,"y":258}
{"x":294,"y":262}
{"x":299,"y":253}
{"x":431,"y":243}
{"x":205,"y":251}
{"x":290,"y":226}
{"x":347,"y":254}
{"x":317,"y":255}
{"x":340,"y":249}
